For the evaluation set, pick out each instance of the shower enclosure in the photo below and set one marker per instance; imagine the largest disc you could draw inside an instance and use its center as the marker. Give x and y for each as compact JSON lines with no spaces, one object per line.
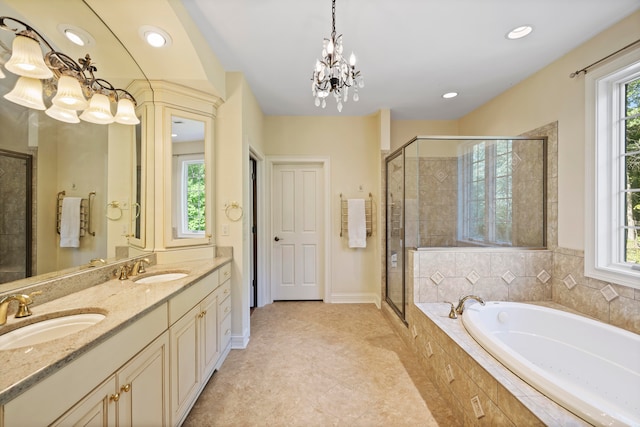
{"x":445,"y":192}
{"x":15,"y":215}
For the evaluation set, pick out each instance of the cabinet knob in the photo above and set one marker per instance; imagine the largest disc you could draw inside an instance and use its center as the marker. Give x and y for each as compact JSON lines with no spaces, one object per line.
{"x":114,"y":397}
{"x":125,"y":388}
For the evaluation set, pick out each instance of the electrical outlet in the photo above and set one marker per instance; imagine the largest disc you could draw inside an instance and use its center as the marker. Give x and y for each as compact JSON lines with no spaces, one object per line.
{"x":225,"y":229}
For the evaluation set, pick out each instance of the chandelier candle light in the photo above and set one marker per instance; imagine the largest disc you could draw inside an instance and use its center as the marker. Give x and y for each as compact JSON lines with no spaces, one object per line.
{"x":75,"y":86}
{"x":333,"y":73}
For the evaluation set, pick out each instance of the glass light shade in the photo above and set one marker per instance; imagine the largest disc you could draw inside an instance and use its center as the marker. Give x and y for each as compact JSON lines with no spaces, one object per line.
{"x":69,"y":94}
{"x":28,"y":93}
{"x":62,"y":114}
{"x":26,"y":59}
{"x":99,"y":110}
{"x":126,"y":113}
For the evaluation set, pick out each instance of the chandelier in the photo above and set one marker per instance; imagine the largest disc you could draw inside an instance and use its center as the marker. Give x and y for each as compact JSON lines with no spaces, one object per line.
{"x":333,"y":73}
{"x":74,"y":84}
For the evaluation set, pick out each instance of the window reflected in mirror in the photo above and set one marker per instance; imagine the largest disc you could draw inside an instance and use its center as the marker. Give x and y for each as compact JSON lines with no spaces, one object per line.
{"x":189,"y":178}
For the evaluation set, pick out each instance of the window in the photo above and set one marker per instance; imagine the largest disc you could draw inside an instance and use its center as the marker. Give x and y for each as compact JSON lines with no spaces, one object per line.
{"x":192,"y":196}
{"x":486,"y":192}
{"x":612,"y":243}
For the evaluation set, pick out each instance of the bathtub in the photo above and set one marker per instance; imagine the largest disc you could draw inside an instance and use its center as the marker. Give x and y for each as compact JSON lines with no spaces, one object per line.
{"x":590,"y":368}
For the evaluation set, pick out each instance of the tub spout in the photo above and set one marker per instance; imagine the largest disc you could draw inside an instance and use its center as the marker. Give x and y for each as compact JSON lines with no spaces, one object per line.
{"x":460,"y":307}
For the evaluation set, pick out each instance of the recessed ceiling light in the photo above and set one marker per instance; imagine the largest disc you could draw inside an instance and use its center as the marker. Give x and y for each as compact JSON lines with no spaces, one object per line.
{"x":450,"y":95}
{"x":76,"y":35}
{"x":155,"y":36}
{"x":519,"y":32}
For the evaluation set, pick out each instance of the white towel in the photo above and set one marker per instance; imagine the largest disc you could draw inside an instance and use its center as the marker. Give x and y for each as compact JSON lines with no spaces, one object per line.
{"x":70,"y":223}
{"x":356,"y":223}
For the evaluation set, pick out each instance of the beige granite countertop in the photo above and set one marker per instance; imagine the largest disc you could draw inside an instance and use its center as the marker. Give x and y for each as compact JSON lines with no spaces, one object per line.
{"x":122,"y":302}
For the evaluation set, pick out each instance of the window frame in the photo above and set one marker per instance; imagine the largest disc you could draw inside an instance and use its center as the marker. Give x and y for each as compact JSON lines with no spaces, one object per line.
{"x":184,"y":161}
{"x":469,"y":167}
{"x":605,"y":183}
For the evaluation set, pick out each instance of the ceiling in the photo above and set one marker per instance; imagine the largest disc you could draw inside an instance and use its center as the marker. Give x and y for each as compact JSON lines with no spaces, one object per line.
{"x":410,"y":52}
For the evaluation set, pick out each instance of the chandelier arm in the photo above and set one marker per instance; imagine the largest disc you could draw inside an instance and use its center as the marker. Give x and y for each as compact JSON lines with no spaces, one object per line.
{"x":28,"y":31}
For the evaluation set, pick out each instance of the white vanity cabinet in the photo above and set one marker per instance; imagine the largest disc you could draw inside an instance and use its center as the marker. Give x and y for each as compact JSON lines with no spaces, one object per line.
{"x":71,"y":391}
{"x":148,"y":374}
{"x":135,"y":395}
{"x":196,"y":340}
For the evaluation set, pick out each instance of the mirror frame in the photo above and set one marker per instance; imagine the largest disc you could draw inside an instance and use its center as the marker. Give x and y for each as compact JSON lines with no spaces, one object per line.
{"x":139,"y":242}
{"x":169,"y":239}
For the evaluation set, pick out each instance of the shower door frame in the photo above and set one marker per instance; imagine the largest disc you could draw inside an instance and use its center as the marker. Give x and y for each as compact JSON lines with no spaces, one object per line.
{"x":401,"y":312}
{"x":28,"y":158}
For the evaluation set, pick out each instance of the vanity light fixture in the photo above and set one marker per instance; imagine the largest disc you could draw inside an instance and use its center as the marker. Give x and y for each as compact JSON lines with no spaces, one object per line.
{"x":74,"y":83}
{"x":333,"y":73}
{"x":154,"y":36}
{"x":519,"y":32}
{"x":450,"y":95}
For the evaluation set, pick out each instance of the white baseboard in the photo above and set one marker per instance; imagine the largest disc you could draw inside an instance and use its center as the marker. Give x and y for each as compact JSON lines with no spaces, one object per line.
{"x":240,"y":342}
{"x":355,"y":298}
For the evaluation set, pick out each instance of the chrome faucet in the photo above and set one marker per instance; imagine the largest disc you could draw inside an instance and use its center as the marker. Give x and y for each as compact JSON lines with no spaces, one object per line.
{"x":138,"y":267}
{"x":24,"y":301}
{"x":460,"y":306}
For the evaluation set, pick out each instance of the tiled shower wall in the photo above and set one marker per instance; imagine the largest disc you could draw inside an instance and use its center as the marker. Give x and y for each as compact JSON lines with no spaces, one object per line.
{"x":12,"y":219}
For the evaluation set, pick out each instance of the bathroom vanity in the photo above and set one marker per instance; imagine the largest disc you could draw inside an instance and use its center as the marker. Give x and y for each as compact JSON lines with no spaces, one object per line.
{"x":144,"y":364}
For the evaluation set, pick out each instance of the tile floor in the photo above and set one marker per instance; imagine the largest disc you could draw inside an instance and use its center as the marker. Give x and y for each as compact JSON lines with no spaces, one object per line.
{"x":316,"y":364}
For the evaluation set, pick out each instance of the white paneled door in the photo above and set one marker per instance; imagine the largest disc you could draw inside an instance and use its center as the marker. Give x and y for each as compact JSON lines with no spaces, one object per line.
{"x":297,"y":215}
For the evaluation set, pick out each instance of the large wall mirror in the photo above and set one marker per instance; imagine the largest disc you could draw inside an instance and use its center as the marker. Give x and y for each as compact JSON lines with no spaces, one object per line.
{"x":189,"y":157}
{"x":41,"y":157}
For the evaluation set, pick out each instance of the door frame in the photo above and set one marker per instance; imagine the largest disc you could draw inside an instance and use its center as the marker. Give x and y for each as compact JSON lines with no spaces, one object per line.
{"x":325,"y":165}
{"x":262,"y":275}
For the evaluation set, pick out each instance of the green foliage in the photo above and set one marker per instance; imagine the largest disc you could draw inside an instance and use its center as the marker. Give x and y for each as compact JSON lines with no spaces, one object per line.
{"x":632,"y":143}
{"x":196,"y":197}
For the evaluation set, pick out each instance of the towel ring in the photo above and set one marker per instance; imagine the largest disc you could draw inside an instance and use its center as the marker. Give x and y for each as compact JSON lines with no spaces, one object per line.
{"x":230,"y":207}
{"x":115,"y":205}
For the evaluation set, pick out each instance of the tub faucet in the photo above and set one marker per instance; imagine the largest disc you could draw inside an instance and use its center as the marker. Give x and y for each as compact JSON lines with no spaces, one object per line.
{"x":24,"y":301}
{"x":460,"y":307}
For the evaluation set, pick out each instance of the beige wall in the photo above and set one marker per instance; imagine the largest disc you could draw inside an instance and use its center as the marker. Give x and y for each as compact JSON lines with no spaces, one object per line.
{"x":402,"y":131}
{"x":545,"y":97}
{"x":353,"y":146}
{"x":239,"y":124}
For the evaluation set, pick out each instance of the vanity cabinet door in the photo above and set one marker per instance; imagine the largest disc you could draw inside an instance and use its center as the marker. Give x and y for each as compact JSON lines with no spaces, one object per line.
{"x":185,"y":369}
{"x":97,"y":409}
{"x":210,"y":348}
{"x":143,"y":385}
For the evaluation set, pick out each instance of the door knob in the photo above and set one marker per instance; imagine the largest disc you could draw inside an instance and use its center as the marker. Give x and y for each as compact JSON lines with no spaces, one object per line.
{"x":277,"y":239}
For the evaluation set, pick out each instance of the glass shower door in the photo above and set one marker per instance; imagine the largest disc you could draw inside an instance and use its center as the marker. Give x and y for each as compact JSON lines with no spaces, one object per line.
{"x":395,"y":234}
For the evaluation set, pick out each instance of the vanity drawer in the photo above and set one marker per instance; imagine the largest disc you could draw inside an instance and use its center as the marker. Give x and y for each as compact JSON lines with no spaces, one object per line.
{"x":191,"y":296}
{"x":224,"y":291}
{"x":225,"y":332}
{"x":225,"y":306}
{"x":224,"y":273}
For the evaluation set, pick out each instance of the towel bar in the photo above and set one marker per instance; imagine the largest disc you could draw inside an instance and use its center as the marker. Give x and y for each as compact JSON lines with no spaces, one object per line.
{"x":344,"y":215}
{"x":85,"y":213}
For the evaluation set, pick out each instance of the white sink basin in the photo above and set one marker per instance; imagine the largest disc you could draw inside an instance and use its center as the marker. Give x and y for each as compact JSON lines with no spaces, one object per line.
{"x":47,"y":330}
{"x":163,"y":277}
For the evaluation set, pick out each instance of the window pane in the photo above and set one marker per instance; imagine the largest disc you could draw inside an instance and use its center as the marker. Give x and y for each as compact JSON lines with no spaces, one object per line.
{"x":195,"y":197}
{"x":632,"y":97}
